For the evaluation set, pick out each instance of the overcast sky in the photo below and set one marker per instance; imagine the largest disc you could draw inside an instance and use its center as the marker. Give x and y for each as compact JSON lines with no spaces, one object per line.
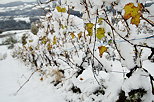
{"x":7,"y":1}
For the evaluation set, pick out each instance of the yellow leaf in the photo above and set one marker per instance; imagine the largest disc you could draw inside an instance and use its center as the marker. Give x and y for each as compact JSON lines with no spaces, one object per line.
{"x":30,"y":48}
{"x":89,"y":28}
{"x":30,"y":40}
{"x":49,"y":46}
{"x":37,"y":47}
{"x":100,"y":20}
{"x":54,"y":40}
{"x":72,"y":35}
{"x":102,"y":49}
{"x":89,"y":25}
{"x":140,"y":6}
{"x":59,"y":9}
{"x":135,"y":20}
{"x":63,"y":10}
{"x":44,"y":40}
{"x":100,"y":33}
{"x":63,"y":27}
{"x":80,"y":35}
{"x":134,"y":12}
{"x":128,"y":9}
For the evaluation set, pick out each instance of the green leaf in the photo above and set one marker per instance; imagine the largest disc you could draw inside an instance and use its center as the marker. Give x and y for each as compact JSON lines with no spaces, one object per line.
{"x":100,"y":20}
{"x":89,"y":28}
{"x":100,"y":33}
{"x":110,"y":41}
{"x":54,"y":40}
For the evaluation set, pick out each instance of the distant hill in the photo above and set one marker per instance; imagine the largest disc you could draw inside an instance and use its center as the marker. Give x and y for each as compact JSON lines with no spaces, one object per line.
{"x":20,"y":8}
{"x":17,"y":3}
{"x":12,"y":24}
{"x":10,"y":11}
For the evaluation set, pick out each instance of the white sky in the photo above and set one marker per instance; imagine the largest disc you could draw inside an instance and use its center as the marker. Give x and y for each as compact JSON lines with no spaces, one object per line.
{"x":7,"y":1}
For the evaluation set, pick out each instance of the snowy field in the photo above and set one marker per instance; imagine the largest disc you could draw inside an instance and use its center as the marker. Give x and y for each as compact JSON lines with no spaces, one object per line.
{"x":14,"y":73}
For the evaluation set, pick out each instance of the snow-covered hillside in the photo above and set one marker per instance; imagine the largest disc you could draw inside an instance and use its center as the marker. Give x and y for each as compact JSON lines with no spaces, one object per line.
{"x":19,"y":15}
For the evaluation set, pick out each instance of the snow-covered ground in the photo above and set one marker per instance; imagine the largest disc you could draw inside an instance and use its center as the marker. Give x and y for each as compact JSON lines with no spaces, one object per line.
{"x":13,"y":74}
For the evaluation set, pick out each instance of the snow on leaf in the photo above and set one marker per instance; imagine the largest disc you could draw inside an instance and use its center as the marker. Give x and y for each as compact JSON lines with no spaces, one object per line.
{"x":102,"y":49}
{"x":100,"y":33}
{"x":59,"y":9}
{"x":89,"y":28}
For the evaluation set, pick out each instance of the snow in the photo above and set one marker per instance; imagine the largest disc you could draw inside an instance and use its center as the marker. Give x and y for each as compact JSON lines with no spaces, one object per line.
{"x":8,"y":1}
{"x":14,"y":74}
{"x":150,"y":9}
{"x":2,"y":9}
{"x":26,"y":19}
{"x":20,"y":7}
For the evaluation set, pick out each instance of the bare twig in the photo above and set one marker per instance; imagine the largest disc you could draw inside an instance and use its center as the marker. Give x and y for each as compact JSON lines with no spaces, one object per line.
{"x":26,"y":82}
{"x":112,"y":28}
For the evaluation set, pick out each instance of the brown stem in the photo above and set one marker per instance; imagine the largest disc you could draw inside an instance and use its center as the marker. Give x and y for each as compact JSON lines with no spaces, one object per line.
{"x":149,"y":21}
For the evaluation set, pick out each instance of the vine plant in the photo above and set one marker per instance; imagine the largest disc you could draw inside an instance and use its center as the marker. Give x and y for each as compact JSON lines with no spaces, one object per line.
{"x":108,"y":31}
